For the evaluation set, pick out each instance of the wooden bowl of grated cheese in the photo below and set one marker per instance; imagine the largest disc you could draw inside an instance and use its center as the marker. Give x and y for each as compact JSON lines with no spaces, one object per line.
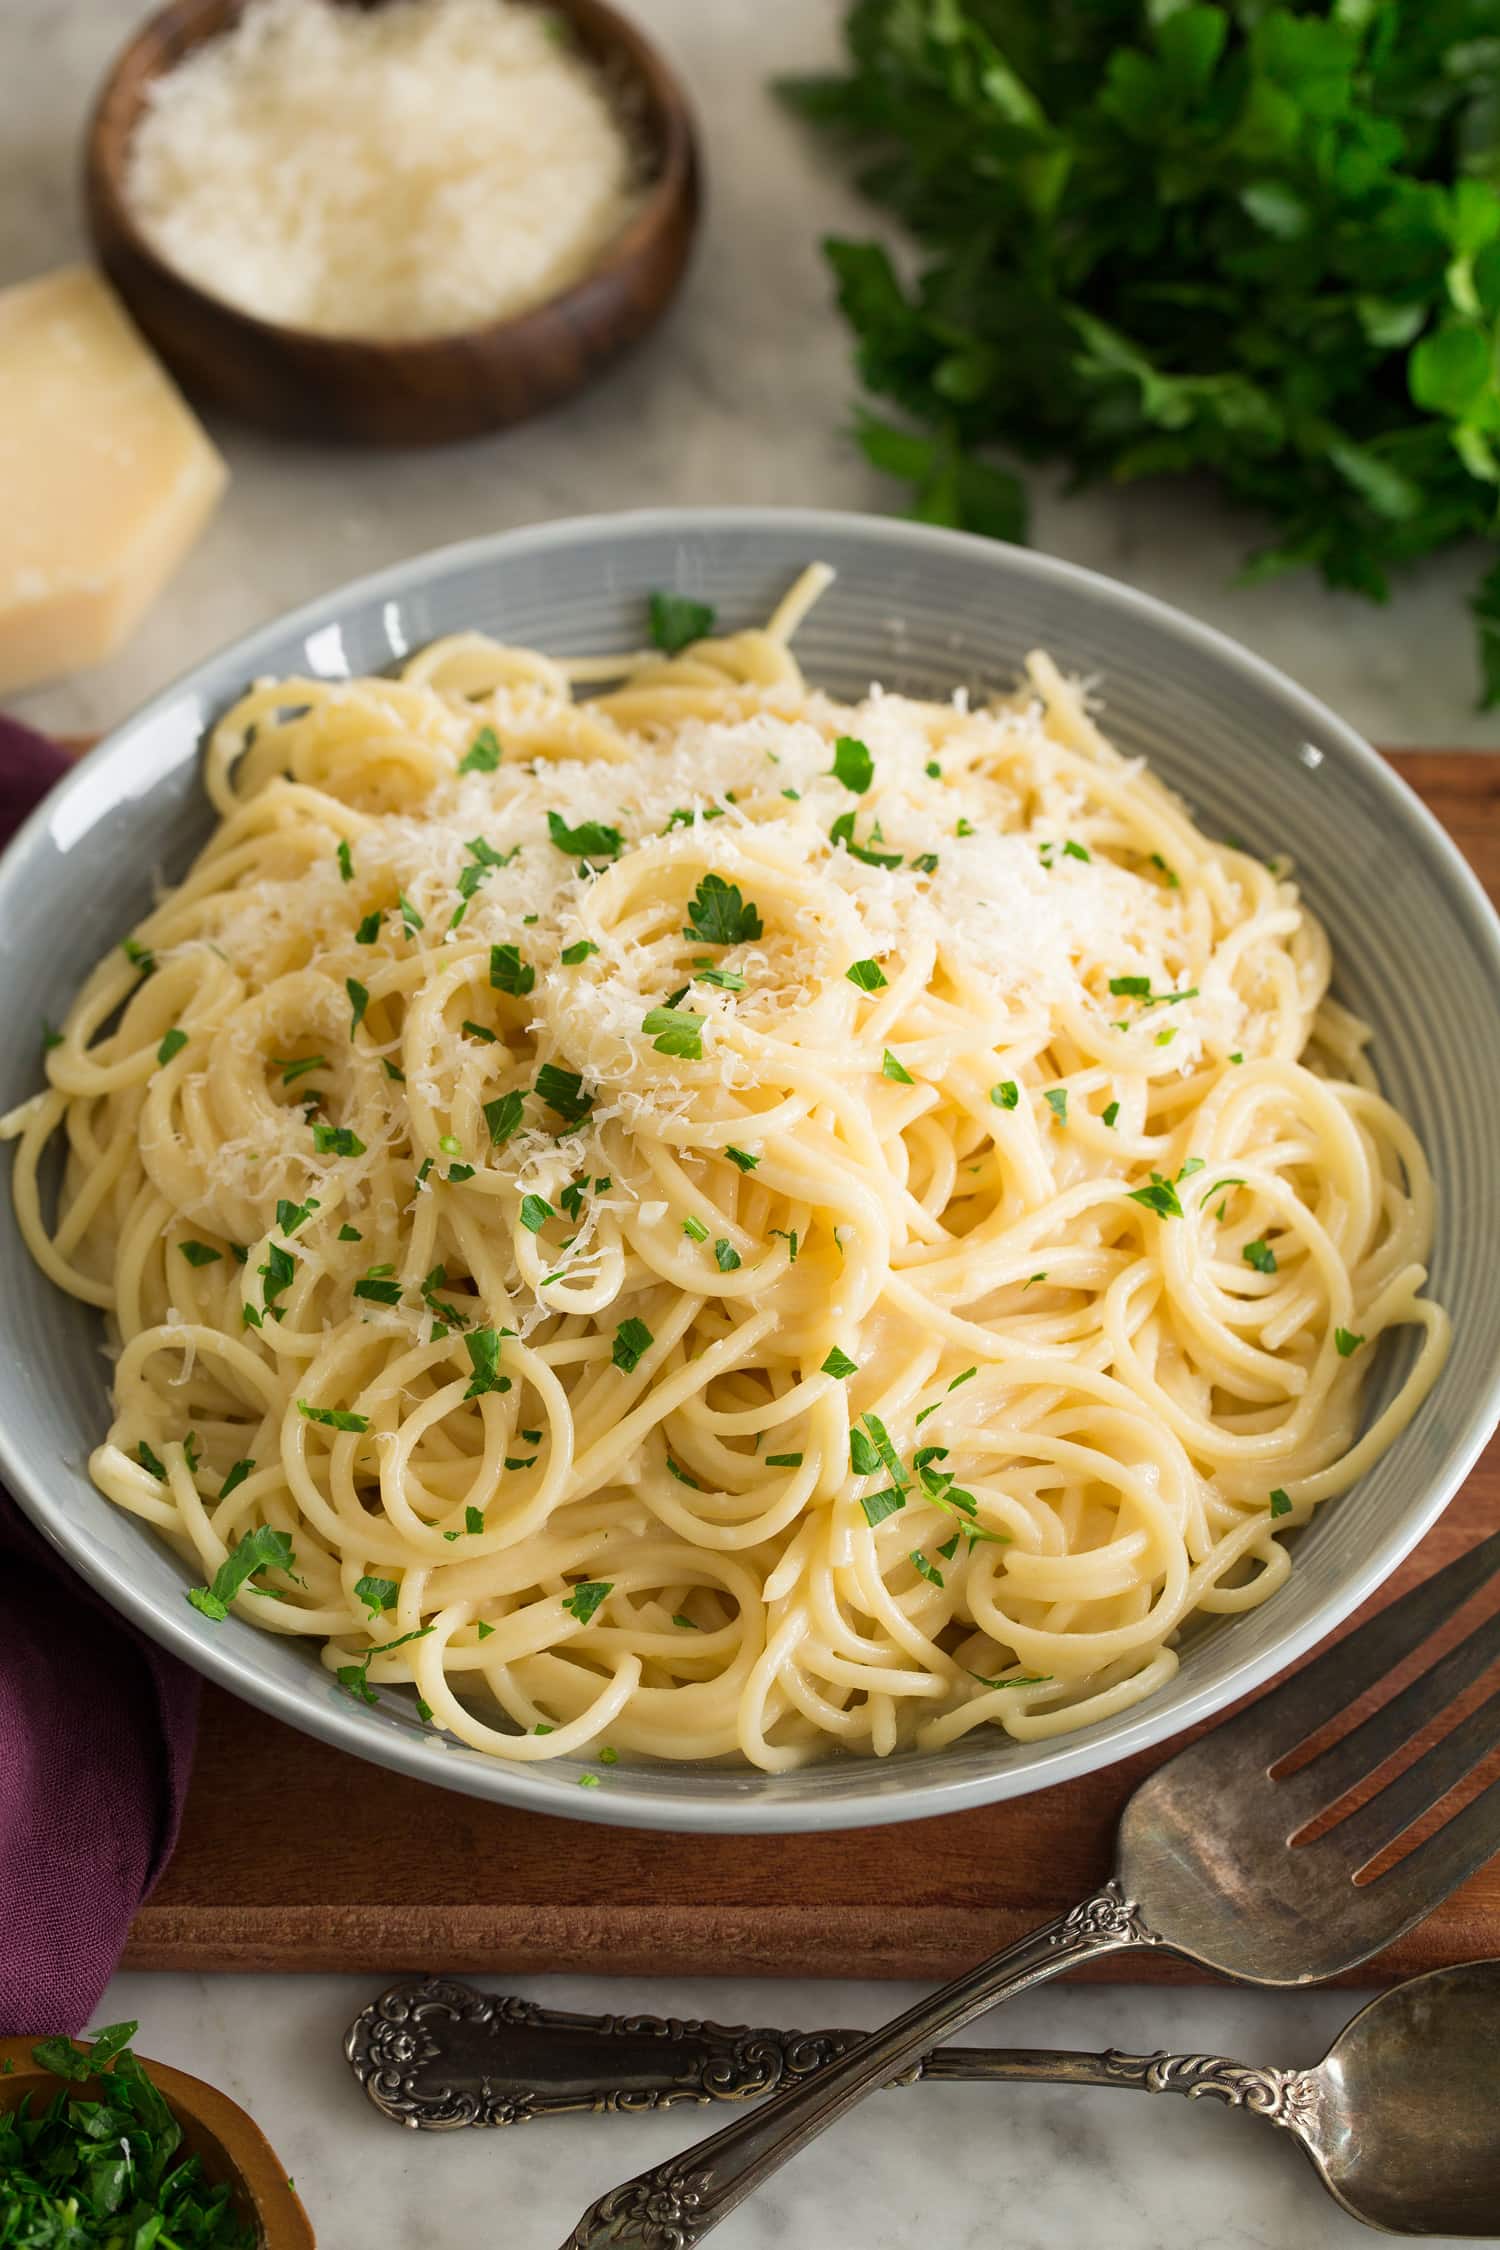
{"x":392,"y":222}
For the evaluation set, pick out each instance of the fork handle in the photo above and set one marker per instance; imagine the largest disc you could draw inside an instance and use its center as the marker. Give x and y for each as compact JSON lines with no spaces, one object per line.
{"x":676,"y":2204}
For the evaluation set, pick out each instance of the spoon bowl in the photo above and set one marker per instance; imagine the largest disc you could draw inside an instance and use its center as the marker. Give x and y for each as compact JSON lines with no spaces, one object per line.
{"x":1405,"y":2123}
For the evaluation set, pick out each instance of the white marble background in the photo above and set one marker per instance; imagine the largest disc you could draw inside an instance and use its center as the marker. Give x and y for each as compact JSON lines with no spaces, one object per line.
{"x":744,"y":396}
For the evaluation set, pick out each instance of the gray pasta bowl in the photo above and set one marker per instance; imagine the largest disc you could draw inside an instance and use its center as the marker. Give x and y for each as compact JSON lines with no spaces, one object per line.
{"x":1418,"y":954}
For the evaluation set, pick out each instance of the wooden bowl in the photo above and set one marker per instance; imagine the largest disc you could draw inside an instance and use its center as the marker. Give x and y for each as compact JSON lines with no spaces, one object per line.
{"x":230,"y":2146}
{"x":424,"y":391}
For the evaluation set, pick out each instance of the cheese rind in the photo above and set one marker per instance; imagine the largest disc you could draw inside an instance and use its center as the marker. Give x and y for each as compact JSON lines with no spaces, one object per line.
{"x":106,"y":477}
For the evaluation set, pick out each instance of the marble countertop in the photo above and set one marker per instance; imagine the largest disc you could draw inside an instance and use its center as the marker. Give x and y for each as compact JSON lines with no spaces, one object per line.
{"x":744,"y":396}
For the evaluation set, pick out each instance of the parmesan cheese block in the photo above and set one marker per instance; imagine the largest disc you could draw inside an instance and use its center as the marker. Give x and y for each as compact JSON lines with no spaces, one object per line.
{"x":106,"y":478}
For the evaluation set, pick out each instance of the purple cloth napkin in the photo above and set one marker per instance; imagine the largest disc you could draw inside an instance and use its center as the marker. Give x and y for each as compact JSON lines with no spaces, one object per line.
{"x":96,"y":1724}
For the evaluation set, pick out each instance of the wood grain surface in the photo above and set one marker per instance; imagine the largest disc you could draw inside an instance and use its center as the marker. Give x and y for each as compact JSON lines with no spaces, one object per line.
{"x":293,"y":1856}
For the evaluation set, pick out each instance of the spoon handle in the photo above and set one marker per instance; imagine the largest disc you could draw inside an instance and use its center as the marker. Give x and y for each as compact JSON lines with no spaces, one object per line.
{"x":437,"y":2055}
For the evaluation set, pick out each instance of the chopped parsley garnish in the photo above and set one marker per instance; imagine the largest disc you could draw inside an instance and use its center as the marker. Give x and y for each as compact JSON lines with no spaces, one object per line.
{"x":676,"y":1469}
{"x":1056,"y":1098}
{"x":727,"y":980}
{"x":350,"y":1234}
{"x":1111,"y":1113}
{"x":1076,"y":851}
{"x":789,"y":1237}
{"x":535,"y":1212}
{"x":377,"y":1287}
{"x":1347,"y":1342}
{"x":503,"y":1115}
{"x":200,"y":1253}
{"x":720,"y":915}
{"x":842,"y":832}
{"x":411,"y":920}
{"x":377,"y":1593}
{"x":591,"y":839}
{"x":891,"y":1068}
{"x":139,"y":956}
{"x":675,"y":1031}
{"x":868,"y":975}
{"x":263,"y":1549}
{"x":1281,"y":1502}
{"x":1129,"y":988}
{"x":963,"y":827}
{"x":1006,"y":1095}
{"x":967,"y":1376}
{"x":926,"y":863}
{"x":483,"y":753}
{"x":885,"y":1452}
{"x":1237,"y":1058}
{"x":949,"y":1548}
{"x":742,"y":1158}
{"x":633,"y":1339}
{"x":173,"y":1044}
{"x":346,"y":861}
{"x":483,"y":1631}
{"x":878,"y":1505}
{"x":50,"y":1038}
{"x":509,"y":973}
{"x":587,"y":1597}
{"x":359,"y":1000}
{"x":839,"y":1364}
{"x":1160,"y":1197}
{"x":783,"y":1460}
{"x":1260,"y":1255}
{"x":852,"y":763}
{"x":864,"y":1461}
{"x":333,"y":1417}
{"x":336,"y":1140}
{"x":152,"y":1462}
{"x":726,"y":1257}
{"x":369,"y":929}
{"x":695,"y":1230}
{"x":562,"y":1091}
{"x":573,"y":954}
{"x":677,"y":621}
{"x":478,"y":1031}
{"x":1169,"y":874}
{"x":278,"y":1273}
{"x":483,"y":1348}
{"x":290,"y":1216}
{"x":572,"y":1197}
{"x":355,"y":1678}
{"x":924,"y":1568}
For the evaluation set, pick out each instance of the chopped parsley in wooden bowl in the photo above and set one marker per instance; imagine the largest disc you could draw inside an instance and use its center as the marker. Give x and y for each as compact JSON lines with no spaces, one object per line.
{"x":102,"y":2151}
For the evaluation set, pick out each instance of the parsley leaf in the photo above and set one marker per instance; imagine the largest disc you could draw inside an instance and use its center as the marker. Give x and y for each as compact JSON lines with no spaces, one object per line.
{"x":587,"y":1597}
{"x":726,"y":1257}
{"x":677,"y":621}
{"x":1259,"y":1254}
{"x":562,"y":1091}
{"x":891,"y":1068}
{"x":633,"y":1339}
{"x":719,"y":915}
{"x":852,"y":764}
{"x":676,"y":1031}
{"x":503,"y":1115}
{"x":535,"y":1212}
{"x":1347,"y":1342}
{"x":592,"y":839}
{"x":838,"y":1363}
{"x":263,"y":1549}
{"x":483,"y":1348}
{"x":483,"y":753}
{"x":173,"y":1044}
{"x":508,"y":972}
{"x":200,"y":1253}
{"x":868,"y":975}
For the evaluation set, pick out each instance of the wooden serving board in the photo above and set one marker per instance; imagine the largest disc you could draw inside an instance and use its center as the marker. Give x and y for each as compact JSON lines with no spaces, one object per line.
{"x":293,"y":1856}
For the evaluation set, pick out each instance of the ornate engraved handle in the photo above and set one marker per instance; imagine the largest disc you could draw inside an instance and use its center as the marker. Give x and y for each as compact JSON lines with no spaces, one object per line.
{"x":674,"y":2206}
{"x":437,"y":2055}
{"x":1285,"y":2097}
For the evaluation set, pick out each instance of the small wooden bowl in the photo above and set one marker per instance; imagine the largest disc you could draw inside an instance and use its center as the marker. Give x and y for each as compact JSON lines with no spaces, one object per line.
{"x":422,"y":392}
{"x":230,"y":2146}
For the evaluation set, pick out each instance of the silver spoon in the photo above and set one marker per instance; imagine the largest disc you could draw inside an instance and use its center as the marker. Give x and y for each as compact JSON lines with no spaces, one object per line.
{"x":1401,"y":2118}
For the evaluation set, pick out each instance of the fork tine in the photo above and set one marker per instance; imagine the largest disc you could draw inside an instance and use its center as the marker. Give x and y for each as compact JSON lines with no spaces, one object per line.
{"x":1444,"y":1861}
{"x":1323,"y":1780}
{"x":1403,"y":1800}
{"x":1275,"y":1724}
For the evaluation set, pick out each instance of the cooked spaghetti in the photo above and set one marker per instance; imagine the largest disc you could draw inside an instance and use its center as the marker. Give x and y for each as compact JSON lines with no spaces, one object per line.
{"x":707,"y":1222}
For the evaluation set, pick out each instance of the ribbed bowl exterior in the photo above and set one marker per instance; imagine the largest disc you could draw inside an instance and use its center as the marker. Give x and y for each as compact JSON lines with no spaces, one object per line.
{"x":1417,"y":950}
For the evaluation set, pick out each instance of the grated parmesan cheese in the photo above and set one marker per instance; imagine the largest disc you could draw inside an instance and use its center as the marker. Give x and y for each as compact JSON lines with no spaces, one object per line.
{"x":410,"y":170}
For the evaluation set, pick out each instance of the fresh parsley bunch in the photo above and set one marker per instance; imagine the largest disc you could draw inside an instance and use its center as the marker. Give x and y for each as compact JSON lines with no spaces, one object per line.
{"x":1258,"y":241}
{"x":102,"y":2168}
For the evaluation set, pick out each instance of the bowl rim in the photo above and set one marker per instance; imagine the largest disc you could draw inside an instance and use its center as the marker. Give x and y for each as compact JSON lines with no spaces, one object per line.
{"x":536,"y":1788}
{"x":670,"y":190}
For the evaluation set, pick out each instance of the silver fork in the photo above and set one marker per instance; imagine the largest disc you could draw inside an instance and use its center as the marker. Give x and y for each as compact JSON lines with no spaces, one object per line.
{"x":1204,"y":1868}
